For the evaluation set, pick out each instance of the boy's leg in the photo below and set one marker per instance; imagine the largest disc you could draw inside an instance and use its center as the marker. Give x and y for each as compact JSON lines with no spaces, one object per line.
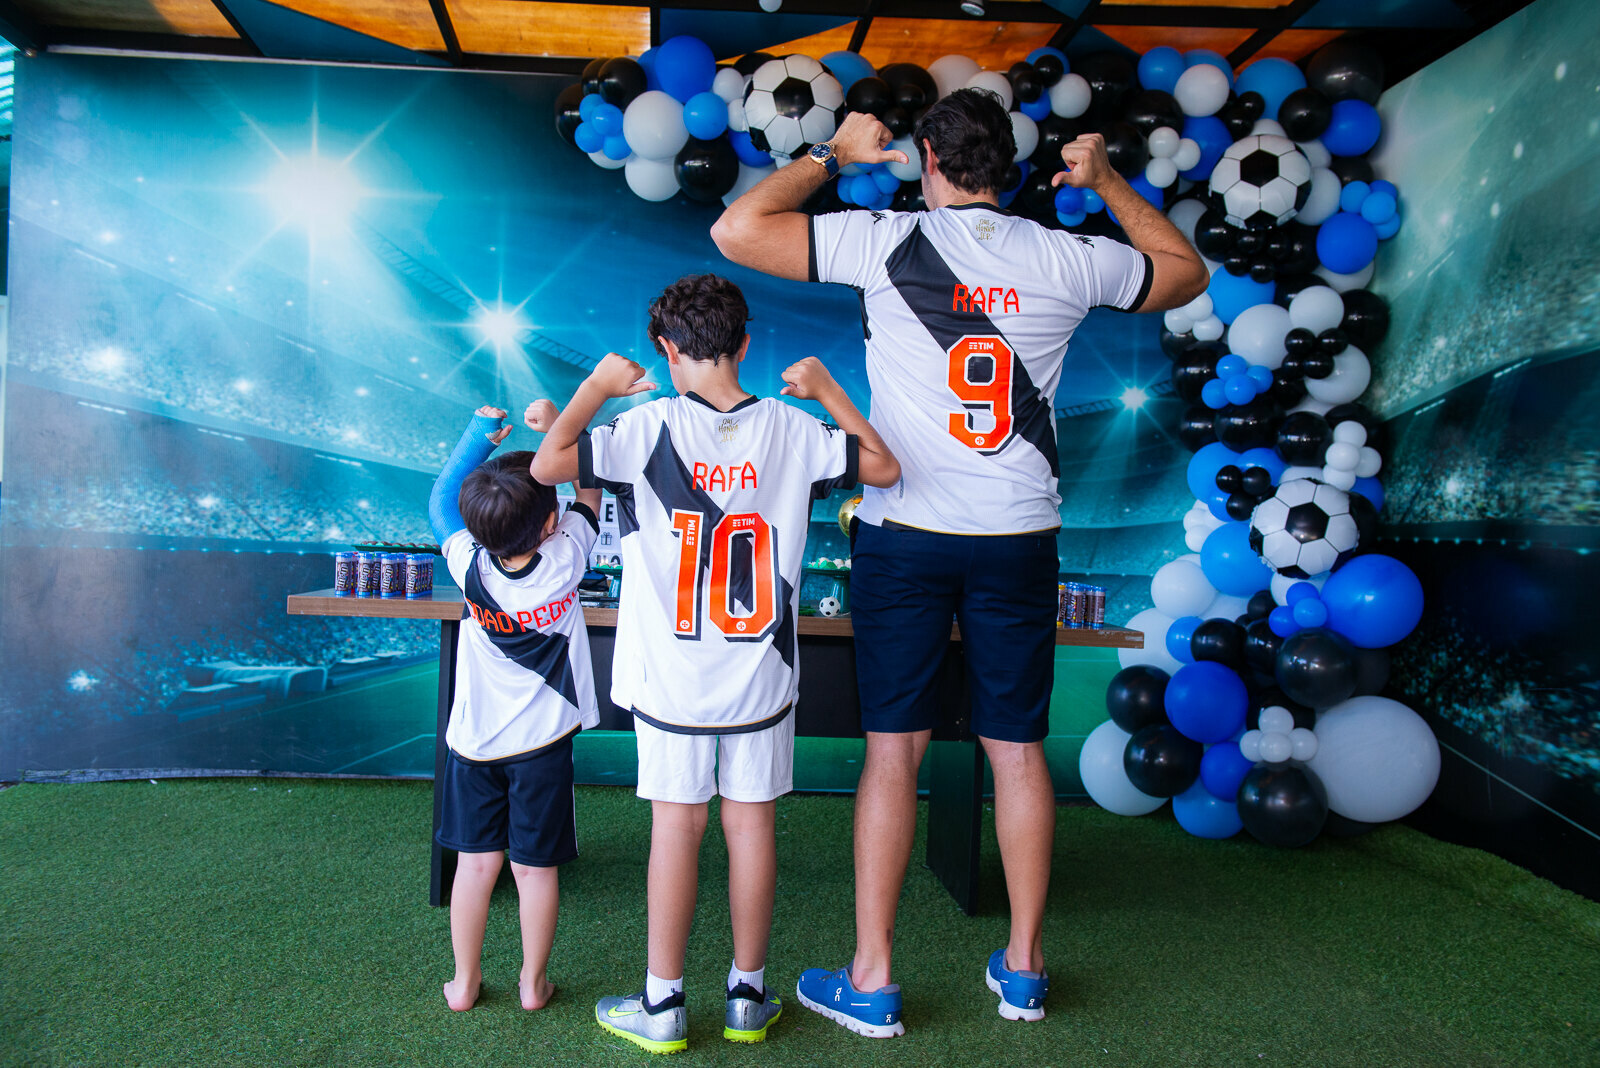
{"x":544,"y":834}
{"x":675,"y":834}
{"x":538,"y":894}
{"x":752,"y":878}
{"x":469,"y":913}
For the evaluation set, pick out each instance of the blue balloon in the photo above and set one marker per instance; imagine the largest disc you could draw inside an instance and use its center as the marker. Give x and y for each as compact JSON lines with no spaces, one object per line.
{"x":1281,"y":622}
{"x":858,"y":189}
{"x":1310,"y":612}
{"x":1204,"y":815}
{"x":1069,"y":199}
{"x":1217,"y":503}
{"x":1203,"y":468}
{"x":1206,"y":701}
{"x":745,"y":149}
{"x":1274,"y":79}
{"x":1211,"y":134}
{"x":1261,"y":376}
{"x":1240,"y":389}
{"x":1142,"y":186}
{"x":1222,"y":770}
{"x":1345,"y":243}
{"x":1231,"y":365}
{"x":1233,"y":293}
{"x":1354,"y":128}
{"x":587,"y":105}
{"x":1092,"y":201}
{"x":1353,"y":195}
{"x":1035,"y":109}
{"x":1300,"y":591}
{"x":1372,"y":490}
{"x":1267,"y":457}
{"x":1214,"y":394}
{"x":685,"y":66}
{"x":1179,"y":635}
{"x":706,"y":115}
{"x":1159,"y":68}
{"x":647,"y":60}
{"x":1075,"y":219}
{"x":1388,"y":228}
{"x":1373,"y":600}
{"x":1378,"y":208}
{"x":1389,"y":188}
{"x":1205,"y":55}
{"x":1046,"y":50}
{"x":1229,"y":562}
{"x":607,"y":119}
{"x":848,"y":67}
{"x":587,"y":138}
{"x":616,"y":147}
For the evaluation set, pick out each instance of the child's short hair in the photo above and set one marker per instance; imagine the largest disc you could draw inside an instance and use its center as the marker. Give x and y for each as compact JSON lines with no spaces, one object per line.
{"x":702,"y":314}
{"x":504,"y":508}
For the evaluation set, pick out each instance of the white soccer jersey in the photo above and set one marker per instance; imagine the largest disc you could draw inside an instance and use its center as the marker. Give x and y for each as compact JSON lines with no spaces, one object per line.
{"x":524,"y":678}
{"x":967,"y":312}
{"x":714,"y":512}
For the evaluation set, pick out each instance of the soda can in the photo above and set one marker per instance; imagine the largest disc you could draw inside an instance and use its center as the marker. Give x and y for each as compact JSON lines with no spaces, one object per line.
{"x":393,"y":571}
{"x":1096,"y":616}
{"x":344,"y":572}
{"x":419,"y":574}
{"x":1061,"y":604}
{"x":1077,"y":603}
{"x":369,"y":574}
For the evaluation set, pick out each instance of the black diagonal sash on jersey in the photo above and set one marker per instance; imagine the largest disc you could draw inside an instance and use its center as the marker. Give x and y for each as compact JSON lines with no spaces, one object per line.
{"x":674,"y":487}
{"x":926,"y":283}
{"x":543,"y":654}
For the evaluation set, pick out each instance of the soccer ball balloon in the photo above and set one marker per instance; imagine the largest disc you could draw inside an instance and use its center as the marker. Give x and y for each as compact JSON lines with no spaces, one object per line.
{"x":1261,"y":180}
{"x":1307,"y":527}
{"x":791,"y":104}
{"x":828,"y":606}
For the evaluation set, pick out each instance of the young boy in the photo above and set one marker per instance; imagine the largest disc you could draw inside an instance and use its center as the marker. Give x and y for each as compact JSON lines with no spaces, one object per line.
{"x":524,"y":687}
{"x":715,"y":488}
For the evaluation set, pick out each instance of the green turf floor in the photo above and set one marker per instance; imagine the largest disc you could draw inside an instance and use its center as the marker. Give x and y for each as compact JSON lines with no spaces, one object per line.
{"x":282,"y":922}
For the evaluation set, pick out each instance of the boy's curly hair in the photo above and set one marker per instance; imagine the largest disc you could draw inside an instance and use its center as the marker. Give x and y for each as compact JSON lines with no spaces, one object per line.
{"x":702,"y":314}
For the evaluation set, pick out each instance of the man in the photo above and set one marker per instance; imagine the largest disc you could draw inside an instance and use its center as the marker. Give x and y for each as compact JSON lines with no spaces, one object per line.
{"x":968,"y":310}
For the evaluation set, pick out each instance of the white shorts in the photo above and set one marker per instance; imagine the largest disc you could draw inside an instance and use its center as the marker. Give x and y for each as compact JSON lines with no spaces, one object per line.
{"x":688,"y":769}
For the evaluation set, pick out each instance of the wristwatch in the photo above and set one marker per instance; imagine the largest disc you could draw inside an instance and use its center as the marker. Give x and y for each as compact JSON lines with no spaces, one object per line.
{"x":823,"y":153}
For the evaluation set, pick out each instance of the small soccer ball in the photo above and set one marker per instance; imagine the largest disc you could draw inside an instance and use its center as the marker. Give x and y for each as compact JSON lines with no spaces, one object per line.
{"x":1262,"y":180}
{"x":1307,"y":527}
{"x":829,"y":606}
{"x":791,"y":104}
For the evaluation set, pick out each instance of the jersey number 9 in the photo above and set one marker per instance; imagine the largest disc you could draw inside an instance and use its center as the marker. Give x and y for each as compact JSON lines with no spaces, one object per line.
{"x":744,"y":568}
{"x":980,"y":377}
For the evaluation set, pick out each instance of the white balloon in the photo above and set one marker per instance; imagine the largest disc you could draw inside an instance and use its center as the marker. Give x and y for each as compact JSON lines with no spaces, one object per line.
{"x":1338,"y":477}
{"x":1303,"y":743}
{"x":1294,"y":472}
{"x":1316,"y":152}
{"x":651,"y":179}
{"x":1070,"y":96}
{"x":1187,"y":155}
{"x":1316,"y":308}
{"x":1177,"y":321}
{"x":1226,"y":606}
{"x":1025,"y":132}
{"x":1376,"y":757}
{"x":1195,"y":539}
{"x":1323,"y":200}
{"x":952,"y":72}
{"x":1181,"y":589}
{"x":736,"y":117}
{"x":1200,"y":307}
{"x":996,"y":83}
{"x":1275,"y":747}
{"x":1281,"y":584}
{"x":910,"y":171}
{"x":1351,"y":373}
{"x":1193,"y":558}
{"x":770,"y":5}
{"x":1350,"y":431}
{"x":653,"y":125}
{"x":1250,"y":745}
{"x":1277,"y":719}
{"x":1153,"y":624}
{"x":607,"y":162}
{"x":748,"y":177}
{"x":1201,"y":90}
{"x":1208,"y":329}
{"x":1161,"y":172}
{"x":1257,"y":335}
{"x":1342,"y":455}
{"x":1184,"y":214}
{"x":1269,"y":127}
{"x":1371,"y":462}
{"x":1311,"y":404}
{"x":729,"y":85}
{"x":1164,"y":142}
{"x":1346,"y":282}
{"x":1104,"y":776}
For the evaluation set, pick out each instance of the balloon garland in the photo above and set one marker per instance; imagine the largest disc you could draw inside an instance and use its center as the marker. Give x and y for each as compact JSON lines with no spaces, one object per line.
{"x":1254,"y":704}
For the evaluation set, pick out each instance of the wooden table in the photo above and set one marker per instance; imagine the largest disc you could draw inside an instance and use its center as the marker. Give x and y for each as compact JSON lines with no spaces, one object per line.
{"x":829,"y":707}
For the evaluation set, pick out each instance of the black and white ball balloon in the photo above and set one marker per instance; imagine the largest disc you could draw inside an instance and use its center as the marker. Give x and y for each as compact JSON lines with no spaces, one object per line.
{"x":1262,"y":180}
{"x":1305,"y":528}
{"x":791,"y":104}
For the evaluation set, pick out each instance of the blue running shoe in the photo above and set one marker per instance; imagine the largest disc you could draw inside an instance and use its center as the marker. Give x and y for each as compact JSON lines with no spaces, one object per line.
{"x":1022,"y":994}
{"x":875,"y":1014}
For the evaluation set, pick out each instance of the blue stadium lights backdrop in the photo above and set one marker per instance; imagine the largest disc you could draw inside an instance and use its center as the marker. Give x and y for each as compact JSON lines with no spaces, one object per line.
{"x":252,"y":304}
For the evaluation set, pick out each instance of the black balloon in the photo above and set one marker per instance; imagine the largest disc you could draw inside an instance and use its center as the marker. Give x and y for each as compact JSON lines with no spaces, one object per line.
{"x":1037,"y":198}
{"x":1299,"y":341}
{"x":1236,"y":264}
{"x":869,"y":95}
{"x":1288,"y":284}
{"x":1261,"y":646}
{"x":1303,"y":439}
{"x":590,"y":78}
{"x":1256,"y":482}
{"x":1282,"y":805}
{"x":1366,"y":318}
{"x":1219,"y":640}
{"x":621,"y":79}
{"x":1151,"y":109}
{"x":1249,"y":242}
{"x":1126,"y":148}
{"x":1162,"y":762}
{"x":1055,"y":133}
{"x":1366,"y":517}
{"x":914,"y":88}
{"x":898,"y":120}
{"x":1305,"y":114}
{"x":1228,"y":478}
{"x":1238,"y":121}
{"x":567,"y":117}
{"x":1272,"y":697}
{"x":1261,"y":602}
{"x":1193,"y":369}
{"x":706,"y":170}
{"x":909,"y":197}
{"x":1026,"y":85}
{"x":1317,"y":667}
{"x":1287,"y":391}
{"x":1173,"y":344}
{"x":1351,"y":169}
{"x":1195,"y":429}
{"x":1332,"y":341}
{"x":1301,"y":256}
{"x":1262,"y":271}
{"x":1110,"y":75}
{"x":1314,"y":364}
{"x":1372,"y":671}
{"x":751,"y":62}
{"x":1239,"y":506}
{"x":1248,"y":426}
{"x":1050,"y":69}
{"x":1214,"y":237}
{"x":1135,"y":697}
{"x":1344,"y":69}
{"x":1252,"y":104}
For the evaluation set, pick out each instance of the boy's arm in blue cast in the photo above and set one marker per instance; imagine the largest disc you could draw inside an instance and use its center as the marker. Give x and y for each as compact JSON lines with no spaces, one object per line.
{"x":444,"y":513}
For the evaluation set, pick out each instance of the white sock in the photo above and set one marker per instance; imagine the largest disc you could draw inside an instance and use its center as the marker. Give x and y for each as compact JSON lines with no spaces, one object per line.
{"x":754,"y":980}
{"x":657,"y":990}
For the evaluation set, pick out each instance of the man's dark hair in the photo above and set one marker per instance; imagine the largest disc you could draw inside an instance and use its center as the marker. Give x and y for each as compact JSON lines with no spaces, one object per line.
{"x":971,"y":135}
{"x":702,"y":314}
{"x":504,"y":508}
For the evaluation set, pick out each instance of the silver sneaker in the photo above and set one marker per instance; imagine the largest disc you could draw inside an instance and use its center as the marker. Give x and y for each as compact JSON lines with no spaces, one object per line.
{"x":662,"y":1028}
{"x":750,"y":1013}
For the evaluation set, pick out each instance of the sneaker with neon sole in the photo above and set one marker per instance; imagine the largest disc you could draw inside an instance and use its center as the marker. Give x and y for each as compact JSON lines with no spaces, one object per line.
{"x":662,"y":1028}
{"x":750,"y":1013}
{"x":874,"y":1013}
{"x":1021,"y":993}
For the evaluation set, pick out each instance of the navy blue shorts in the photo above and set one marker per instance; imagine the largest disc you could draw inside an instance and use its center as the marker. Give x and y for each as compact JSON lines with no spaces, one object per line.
{"x":524,"y":805}
{"x":905,"y":587}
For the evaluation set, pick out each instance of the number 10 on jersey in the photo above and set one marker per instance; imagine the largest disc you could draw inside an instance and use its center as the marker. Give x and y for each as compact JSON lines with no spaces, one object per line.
{"x":752,"y":578}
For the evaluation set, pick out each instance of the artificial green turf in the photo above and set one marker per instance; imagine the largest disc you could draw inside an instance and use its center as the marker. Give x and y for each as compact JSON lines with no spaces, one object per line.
{"x":282,"y":922}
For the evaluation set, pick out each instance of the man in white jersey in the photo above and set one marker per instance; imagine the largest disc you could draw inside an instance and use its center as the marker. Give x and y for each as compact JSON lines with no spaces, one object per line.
{"x":714,"y":487}
{"x":967,"y":312}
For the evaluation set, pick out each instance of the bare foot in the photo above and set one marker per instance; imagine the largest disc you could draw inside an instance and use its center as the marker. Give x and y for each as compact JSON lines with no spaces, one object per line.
{"x":460,"y":995}
{"x":536,"y":996}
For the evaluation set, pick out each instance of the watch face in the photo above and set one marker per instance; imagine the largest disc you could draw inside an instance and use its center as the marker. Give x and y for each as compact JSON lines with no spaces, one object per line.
{"x":821,"y":152}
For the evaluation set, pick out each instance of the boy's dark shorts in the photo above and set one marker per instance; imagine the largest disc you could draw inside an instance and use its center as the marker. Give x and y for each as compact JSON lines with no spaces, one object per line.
{"x":905,"y":587}
{"x":523,"y":804}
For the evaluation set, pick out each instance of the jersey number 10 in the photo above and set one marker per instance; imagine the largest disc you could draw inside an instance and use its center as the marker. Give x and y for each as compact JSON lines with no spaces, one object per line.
{"x":745,"y":532}
{"x":980,"y":377}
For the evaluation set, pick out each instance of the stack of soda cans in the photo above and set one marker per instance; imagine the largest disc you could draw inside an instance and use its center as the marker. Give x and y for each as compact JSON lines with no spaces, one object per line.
{"x":369,"y":574}
{"x":1081,"y":605}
